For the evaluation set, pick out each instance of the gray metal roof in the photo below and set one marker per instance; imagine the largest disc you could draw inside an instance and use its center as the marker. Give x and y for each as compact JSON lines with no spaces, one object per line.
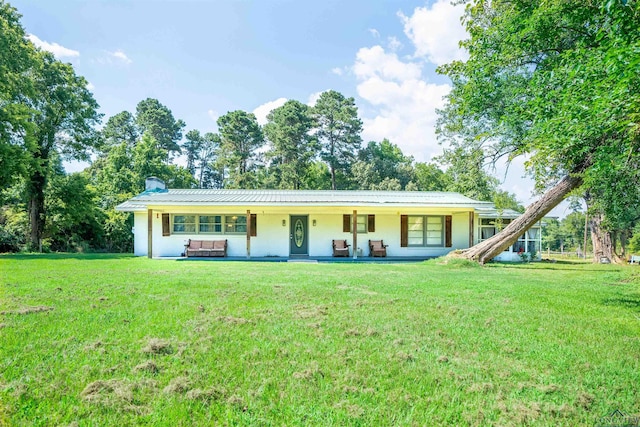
{"x":492,"y":212}
{"x":202,"y":197}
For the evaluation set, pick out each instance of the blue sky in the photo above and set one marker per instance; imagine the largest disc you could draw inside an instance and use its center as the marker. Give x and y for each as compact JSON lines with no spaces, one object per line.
{"x":204,"y":58}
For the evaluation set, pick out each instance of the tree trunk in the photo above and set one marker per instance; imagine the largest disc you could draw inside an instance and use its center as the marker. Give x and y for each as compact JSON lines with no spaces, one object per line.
{"x":486,"y":250}
{"x":36,"y":187}
{"x":603,"y":243}
{"x":333,"y":177}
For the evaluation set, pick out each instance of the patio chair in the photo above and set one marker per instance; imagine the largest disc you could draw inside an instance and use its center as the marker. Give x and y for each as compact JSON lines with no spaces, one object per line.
{"x":377,"y":248}
{"x":340,"y":248}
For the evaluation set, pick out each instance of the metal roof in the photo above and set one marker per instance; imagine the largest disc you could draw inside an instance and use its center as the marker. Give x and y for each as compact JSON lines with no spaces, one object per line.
{"x":208,"y":197}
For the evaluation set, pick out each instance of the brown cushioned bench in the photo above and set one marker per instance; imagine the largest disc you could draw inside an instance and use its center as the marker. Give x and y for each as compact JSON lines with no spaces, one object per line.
{"x":208,"y":248}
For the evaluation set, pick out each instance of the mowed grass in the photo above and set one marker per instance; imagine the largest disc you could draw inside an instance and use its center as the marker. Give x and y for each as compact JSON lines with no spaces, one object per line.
{"x":117,"y":340}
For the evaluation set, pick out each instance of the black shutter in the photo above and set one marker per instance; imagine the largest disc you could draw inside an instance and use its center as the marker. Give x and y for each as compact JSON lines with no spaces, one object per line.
{"x":404,"y":231}
{"x":371,"y":224}
{"x":166,"y":228}
{"x":447,"y":231}
{"x":346,"y":223}
{"x":254,"y":225}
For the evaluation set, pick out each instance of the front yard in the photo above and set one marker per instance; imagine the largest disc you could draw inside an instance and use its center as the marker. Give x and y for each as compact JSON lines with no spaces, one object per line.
{"x":117,"y":340}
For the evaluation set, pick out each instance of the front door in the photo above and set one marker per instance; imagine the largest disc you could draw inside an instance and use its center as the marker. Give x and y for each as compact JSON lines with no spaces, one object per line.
{"x":298,"y":238}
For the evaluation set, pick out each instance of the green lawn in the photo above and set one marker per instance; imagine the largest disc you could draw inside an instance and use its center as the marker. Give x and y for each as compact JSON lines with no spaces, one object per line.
{"x":117,"y":340}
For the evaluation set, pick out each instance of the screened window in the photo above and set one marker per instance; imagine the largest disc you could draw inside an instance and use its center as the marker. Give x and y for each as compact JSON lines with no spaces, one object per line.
{"x":209,"y":224}
{"x":362,"y":222}
{"x":425,"y":231}
{"x":235,"y":224}
{"x":184,"y":224}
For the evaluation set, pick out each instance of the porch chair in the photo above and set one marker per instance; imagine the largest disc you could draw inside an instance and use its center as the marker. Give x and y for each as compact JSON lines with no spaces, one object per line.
{"x":377,"y":248}
{"x":340,"y":248}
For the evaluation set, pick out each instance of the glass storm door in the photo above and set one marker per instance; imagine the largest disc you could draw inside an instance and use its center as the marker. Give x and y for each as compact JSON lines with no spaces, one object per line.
{"x":298,"y":237}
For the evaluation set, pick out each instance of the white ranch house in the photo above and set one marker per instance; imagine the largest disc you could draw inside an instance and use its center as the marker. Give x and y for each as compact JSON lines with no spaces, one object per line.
{"x":303,"y":223}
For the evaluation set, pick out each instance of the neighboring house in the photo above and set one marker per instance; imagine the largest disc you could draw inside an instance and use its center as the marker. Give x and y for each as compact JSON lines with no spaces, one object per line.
{"x":303,"y":223}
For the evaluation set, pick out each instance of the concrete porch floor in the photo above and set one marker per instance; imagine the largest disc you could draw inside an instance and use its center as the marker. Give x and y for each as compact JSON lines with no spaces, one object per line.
{"x":311,"y":260}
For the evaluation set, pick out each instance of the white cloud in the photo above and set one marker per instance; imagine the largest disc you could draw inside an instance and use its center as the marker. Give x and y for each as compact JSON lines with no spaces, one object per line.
{"x":436,"y":31}
{"x":313,"y":98}
{"x":120,"y":56}
{"x":374,"y":61}
{"x":90,"y":86}
{"x":375,"y":33}
{"x":394,"y":44}
{"x":263,"y":110}
{"x":57,"y":50}
{"x":337,"y":71}
{"x":404,"y":105}
{"x":213,"y":115}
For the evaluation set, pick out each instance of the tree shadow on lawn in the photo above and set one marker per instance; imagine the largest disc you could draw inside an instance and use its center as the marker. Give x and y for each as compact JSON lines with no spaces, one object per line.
{"x":563,"y":265}
{"x":66,"y":255}
{"x":631,"y":301}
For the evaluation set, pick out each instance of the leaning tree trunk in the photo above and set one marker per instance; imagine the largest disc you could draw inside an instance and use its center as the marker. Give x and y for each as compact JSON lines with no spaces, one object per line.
{"x":603,"y":244}
{"x":486,"y":250}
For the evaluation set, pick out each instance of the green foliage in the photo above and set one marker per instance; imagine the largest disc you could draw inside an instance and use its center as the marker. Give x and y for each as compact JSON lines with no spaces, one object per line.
{"x":240,"y":136}
{"x":117,"y":231}
{"x":465,"y":173}
{"x":338,"y":130}
{"x":157,"y":120}
{"x":556,"y":80}
{"x":119,"y":129}
{"x":17,"y":60}
{"x":292,"y":145}
{"x":388,"y":162}
{"x":14,"y":228}
{"x":75,"y":222}
{"x":565,"y":235}
{"x":429,"y":177}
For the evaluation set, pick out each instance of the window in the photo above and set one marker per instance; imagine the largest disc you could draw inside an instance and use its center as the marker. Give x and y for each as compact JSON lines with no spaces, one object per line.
{"x":362,"y":223}
{"x":425,"y":230}
{"x":487,"y":228}
{"x":184,"y":224}
{"x":529,"y":242}
{"x":365,"y":223}
{"x":235,"y":224}
{"x":210,"y":224}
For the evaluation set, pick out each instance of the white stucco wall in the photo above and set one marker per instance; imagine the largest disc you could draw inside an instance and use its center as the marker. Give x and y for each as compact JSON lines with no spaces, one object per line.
{"x":272,"y":239}
{"x":140,"y":233}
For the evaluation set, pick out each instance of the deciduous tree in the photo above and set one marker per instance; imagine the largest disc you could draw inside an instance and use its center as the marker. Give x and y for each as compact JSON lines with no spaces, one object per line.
{"x":556,"y":80}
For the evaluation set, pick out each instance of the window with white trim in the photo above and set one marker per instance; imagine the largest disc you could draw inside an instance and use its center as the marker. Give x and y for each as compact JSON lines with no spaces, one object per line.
{"x":425,"y":230}
{"x":362,"y":223}
{"x":208,"y":224}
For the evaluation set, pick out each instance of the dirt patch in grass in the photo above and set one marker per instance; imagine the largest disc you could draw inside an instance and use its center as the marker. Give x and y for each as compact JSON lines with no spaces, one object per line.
{"x":353,"y":411}
{"x":207,"y":395}
{"x":585,"y":400}
{"x":148,"y":366}
{"x":309,"y":312}
{"x":158,"y":346}
{"x":29,"y":310}
{"x":117,"y":393}
{"x":480,"y":388}
{"x":178,"y":385}
{"x":308,"y":374}
{"x":231,"y":320}
{"x":401,"y":356}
